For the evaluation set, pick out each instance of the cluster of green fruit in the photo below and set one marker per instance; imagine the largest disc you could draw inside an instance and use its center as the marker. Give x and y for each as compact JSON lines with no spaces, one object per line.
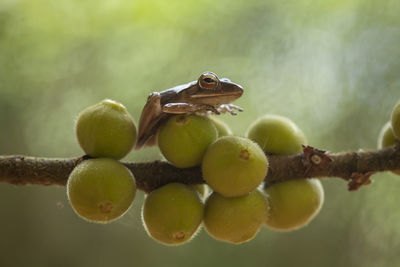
{"x":102,"y":189}
{"x":390,"y":133}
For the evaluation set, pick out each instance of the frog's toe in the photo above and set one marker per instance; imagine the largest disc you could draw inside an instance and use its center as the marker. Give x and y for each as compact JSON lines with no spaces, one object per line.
{"x":236,"y":107}
{"x":224,"y":108}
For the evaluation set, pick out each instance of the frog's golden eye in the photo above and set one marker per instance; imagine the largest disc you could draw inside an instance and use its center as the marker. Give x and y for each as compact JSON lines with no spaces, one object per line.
{"x":208,"y":80}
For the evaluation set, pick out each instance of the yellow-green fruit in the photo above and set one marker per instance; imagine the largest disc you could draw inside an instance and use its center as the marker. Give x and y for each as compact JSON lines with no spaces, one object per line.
{"x":234,"y":166}
{"x":277,"y":134}
{"x":222,"y":128}
{"x":294,"y":203}
{"x":184,"y":139}
{"x":101,"y":190}
{"x":395,"y":120}
{"x":386,"y":138}
{"x":172,"y":213}
{"x":235,"y":219}
{"x":106,"y":130}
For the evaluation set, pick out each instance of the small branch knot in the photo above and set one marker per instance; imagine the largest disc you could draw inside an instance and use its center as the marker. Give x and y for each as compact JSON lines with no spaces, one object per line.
{"x":359,"y":179}
{"x":315,"y":158}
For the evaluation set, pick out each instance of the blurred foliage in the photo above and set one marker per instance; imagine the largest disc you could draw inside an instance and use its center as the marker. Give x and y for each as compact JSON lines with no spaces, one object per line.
{"x":331,"y":66}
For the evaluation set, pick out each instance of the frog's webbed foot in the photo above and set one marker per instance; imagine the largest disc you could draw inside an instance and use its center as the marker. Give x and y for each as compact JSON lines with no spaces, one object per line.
{"x":209,"y":109}
{"x":229,"y":108}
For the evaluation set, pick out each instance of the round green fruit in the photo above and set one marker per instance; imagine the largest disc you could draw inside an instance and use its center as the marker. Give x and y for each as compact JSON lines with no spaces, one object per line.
{"x":386,"y":138}
{"x":222,"y":128}
{"x":294,"y":203}
{"x":106,"y":130}
{"x":172,"y":213}
{"x":184,"y":139}
{"x":395,"y":120}
{"x":235,"y":219}
{"x":101,"y":190}
{"x":234,"y":166}
{"x":277,"y":134}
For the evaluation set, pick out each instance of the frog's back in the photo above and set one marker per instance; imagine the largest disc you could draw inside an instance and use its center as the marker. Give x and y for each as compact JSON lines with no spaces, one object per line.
{"x":173,"y":95}
{"x":152,"y":114}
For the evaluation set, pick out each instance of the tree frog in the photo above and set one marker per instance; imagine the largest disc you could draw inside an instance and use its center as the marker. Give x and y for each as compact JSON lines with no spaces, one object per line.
{"x":208,"y":94}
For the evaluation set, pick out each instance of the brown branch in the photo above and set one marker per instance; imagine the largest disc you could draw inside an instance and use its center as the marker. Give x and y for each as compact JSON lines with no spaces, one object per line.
{"x":354,"y":167}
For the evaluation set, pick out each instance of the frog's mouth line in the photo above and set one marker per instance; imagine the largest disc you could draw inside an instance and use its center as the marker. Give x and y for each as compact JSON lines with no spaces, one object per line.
{"x":214,"y":95}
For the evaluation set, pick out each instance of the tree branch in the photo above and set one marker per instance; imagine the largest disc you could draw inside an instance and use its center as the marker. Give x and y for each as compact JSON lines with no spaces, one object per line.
{"x":354,"y":167}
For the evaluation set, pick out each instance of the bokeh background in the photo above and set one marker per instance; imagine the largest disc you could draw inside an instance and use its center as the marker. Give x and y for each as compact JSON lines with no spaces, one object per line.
{"x":332,"y":66}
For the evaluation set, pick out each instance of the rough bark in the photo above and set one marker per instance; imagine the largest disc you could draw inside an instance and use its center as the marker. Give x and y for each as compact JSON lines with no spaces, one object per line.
{"x":354,"y":167}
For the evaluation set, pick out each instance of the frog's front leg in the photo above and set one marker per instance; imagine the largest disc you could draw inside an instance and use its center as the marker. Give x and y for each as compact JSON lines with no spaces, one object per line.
{"x":183,"y":108}
{"x":229,"y":108}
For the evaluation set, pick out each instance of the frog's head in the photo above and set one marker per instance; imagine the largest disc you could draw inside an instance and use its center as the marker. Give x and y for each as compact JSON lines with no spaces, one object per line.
{"x":212,"y":90}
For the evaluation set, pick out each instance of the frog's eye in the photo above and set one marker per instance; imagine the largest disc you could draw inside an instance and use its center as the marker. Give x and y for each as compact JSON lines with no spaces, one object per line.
{"x":208,"y":81}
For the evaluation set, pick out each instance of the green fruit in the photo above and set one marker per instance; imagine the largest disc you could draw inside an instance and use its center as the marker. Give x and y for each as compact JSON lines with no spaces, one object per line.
{"x":106,"y":130}
{"x":235,"y":219}
{"x":395,"y":120}
{"x":294,"y":203}
{"x":222,"y":128}
{"x":234,"y":166}
{"x":101,"y":190}
{"x":277,"y":134}
{"x":386,"y":138}
{"x":184,"y":139}
{"x":172,"y":213}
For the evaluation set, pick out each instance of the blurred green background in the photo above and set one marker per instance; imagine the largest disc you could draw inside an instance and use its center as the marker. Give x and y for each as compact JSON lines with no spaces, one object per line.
{"x":333,"y":67}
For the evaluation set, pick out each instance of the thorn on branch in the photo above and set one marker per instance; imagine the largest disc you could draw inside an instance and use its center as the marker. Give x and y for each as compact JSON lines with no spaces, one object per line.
{"x":359,"y":179}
